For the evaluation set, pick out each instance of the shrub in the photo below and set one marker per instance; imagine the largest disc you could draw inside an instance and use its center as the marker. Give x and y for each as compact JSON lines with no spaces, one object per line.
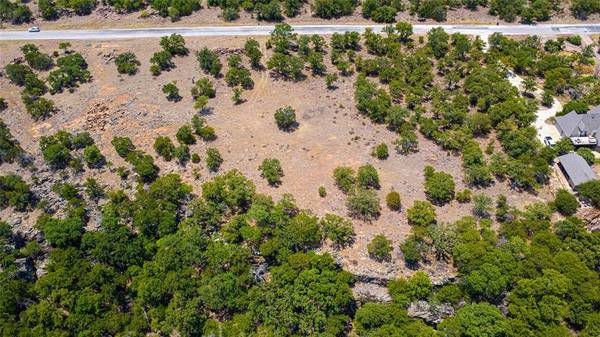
{"x":72,"y":70}
{"x":161,"y":60}
{"x":36,"y":59}
{"x":404,"y":291}
{"x":380,"y":248}
{"x":143,"y":165}
{"x":164,"y":147}
{"x":411,"y":251}
{"x":421,"y":214}
{"x":393,"y":201}
{"x":93,"y":189}
{"x":185,"y":136}
{"x":367,"y":177}
{"x":344,"y":178}
{"x":127,"y":63}
{"x":9,"y":146}
{"x":182,"y":153}
{"x":172,"y":92}
{"x":123,"y":146}
{"x":286,"y":118}
{"x":272,"y":171}
{"x":482,"y":206}
{"x":93,"y":157}
{"x":565,"y":202}
{"x":252,"y":50}
{"x":213,"y":159}
{"x":15,"y":192}
{"x":587,"y":154}
{"x":202,"y":130}
{"x":40,"y":108}
{"x":464,"y":196}
{"x":195,"y":158}
{"x":380,"y":151}
{"x":322,"y":191}
{"x":56,"y":149}
{"x":430,"y":9}
{"x":363,"y":204}
{"x":3,"y":104}
{"x":82,"y":140}
{"x":337,"y":229}
{"x":330,"y":80}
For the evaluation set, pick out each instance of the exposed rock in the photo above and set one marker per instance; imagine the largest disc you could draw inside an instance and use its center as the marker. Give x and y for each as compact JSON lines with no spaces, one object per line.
{"x":431,"y":313}
{"x":25,"y":269}
{"x":368,"y":292}
{"x":40,"y":267}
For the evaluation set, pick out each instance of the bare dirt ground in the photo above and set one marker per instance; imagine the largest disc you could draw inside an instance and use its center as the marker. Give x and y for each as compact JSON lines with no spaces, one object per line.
{"x":106,"y":17}
{"x":331,"y":133}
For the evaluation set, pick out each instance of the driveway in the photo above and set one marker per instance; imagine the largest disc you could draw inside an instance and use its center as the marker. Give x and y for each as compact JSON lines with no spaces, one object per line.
{"x":543,"y":127}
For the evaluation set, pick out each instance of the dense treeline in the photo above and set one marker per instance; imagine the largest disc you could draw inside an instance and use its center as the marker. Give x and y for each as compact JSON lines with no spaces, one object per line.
{"x":526,"y":11}
{"x":165,"y":260}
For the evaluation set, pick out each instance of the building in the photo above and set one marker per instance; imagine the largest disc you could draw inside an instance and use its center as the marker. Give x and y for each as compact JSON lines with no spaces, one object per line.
{"x":576,"y":169}
{"x":582,"y":129}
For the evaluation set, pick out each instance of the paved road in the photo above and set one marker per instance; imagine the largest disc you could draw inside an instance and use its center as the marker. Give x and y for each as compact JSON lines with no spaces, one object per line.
{"x":482,"y":30}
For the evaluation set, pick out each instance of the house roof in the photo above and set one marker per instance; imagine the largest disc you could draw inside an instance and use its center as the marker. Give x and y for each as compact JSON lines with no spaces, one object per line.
{"x":568,"y":123}
{"x":576,"y":168}
{"x":574,"y":124}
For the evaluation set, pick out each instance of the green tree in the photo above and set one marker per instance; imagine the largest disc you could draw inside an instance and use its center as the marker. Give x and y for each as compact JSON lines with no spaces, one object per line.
{"x":437,"y":40}
{"x":590,"y":191}
{"x":337,"y":229}
{"x":421,"y":214}
{"x":15,"y":192}
{"x":367,"y":177}
{"x":164,"y":147}
{"x":439,"y":186}
{"x":476,"y":320}
{"x":565,"y":202}
{"x":286,"y":118}
{"x":172,"y":92}
{"x":209,"y":61}
{"x":93,"y":157}
{"x":272,"y":171}
{"x":185,"y":135}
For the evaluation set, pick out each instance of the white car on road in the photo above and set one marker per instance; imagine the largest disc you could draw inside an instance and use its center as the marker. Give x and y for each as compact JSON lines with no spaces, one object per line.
{"x":34,"y":29}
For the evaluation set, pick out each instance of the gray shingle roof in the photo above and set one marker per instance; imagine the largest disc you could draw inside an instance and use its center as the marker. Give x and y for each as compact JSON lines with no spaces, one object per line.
{"x":576,"y":168}
{"x":575,"y":125}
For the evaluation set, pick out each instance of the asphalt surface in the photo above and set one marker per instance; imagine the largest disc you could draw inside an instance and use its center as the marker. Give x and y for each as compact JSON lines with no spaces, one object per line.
{"x":131,"y":33}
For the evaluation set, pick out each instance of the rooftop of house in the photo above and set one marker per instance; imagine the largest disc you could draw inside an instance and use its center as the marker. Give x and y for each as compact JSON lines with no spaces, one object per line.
{"x":574,"y":124}
{"x":576,"y":168}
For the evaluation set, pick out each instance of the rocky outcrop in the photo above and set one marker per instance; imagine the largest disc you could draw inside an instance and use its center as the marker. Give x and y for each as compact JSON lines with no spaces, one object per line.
{"x":591,"y":217}
{"x":431,"y":313}
{"x":369,"y":292}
